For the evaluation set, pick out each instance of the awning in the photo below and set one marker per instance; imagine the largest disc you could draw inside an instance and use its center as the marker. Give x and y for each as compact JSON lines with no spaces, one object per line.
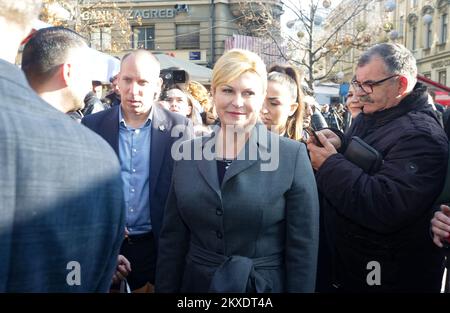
{"x":442,"y":98}
{"x":329,"y":89}
{"x":442,"y":92}
{"x":104,"y":66}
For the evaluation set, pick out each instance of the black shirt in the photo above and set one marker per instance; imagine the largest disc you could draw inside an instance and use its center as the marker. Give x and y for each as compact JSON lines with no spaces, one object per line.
{"x":222,"y":166}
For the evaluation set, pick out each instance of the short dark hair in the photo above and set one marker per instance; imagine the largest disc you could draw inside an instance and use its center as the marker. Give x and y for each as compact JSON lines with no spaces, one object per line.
{"x":47,"y":49}
{"x":398,"y":59}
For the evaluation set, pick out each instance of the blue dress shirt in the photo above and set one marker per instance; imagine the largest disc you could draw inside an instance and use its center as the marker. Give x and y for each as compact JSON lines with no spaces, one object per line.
{"x":134,"y":154}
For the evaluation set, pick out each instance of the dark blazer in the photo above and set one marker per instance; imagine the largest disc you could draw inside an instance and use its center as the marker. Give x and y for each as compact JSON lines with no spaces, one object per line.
{"x":52,"y":210}
{"x":257,"y":232}
{"x":106,"y":124}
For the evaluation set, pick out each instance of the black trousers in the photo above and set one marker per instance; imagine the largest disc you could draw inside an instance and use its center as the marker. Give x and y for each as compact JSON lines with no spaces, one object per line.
{"x":140,"y":250}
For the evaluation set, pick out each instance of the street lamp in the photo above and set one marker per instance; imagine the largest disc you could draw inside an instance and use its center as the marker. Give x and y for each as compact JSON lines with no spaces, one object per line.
{"x":427,"y":19}
{"x":393,"y":35}
{"x":390,"y":6}
{"x":290,"y":23}
{"x":318,"y":20}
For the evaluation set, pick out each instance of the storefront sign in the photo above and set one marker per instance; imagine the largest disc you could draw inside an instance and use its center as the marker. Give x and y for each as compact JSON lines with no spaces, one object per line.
{"x":134,"y":14}
{"x":194,"y":55}
{"x":151,"y":13}
{"x":439,"y":64}
{"x":96,"y":15}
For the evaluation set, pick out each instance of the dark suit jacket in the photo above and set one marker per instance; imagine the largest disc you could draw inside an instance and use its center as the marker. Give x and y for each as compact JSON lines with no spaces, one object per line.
{"x":254,"y":214}
{"x":52,"y":210}
{"x":106,"y":124}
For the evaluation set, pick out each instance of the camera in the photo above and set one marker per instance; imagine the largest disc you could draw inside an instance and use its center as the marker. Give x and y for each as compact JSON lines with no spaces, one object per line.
{"x":171,"y":77}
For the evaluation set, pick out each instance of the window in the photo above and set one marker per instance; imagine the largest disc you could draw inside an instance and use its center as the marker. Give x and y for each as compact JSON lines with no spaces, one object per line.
{"x":188,"y":36}
{"x":413,"y":38}
{"x":428,"y":35}
{"x":401,"y":25}
{"x":414,"y":3}
{"x":427,"y":75}
{"x":100,"y":39}
{"x":143,"y":38}
{"x":444,"y":23}
{"x":442,"y":77}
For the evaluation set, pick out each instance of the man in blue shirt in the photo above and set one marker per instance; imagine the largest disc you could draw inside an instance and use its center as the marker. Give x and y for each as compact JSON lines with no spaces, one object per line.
{"x":140,"y":133}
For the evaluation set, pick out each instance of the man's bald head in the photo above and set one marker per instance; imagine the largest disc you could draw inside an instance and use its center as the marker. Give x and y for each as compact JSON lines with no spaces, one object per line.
{"x":139,"y":82}
{"x":142,"y":56}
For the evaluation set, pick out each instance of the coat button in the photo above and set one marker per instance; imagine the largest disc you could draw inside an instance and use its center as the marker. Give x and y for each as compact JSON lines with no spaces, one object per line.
{"x":219,"y":211}
{"x":219,"y":234}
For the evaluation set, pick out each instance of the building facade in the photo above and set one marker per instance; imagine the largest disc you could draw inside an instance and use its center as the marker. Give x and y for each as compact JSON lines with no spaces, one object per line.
{"x":193,"y":30}
{"x":422,"y":26}
{"x":366,"y":25}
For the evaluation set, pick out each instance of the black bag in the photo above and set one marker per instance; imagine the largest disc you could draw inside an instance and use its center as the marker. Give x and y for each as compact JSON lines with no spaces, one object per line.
{"x":364,"y":156}
{"x":444,"y":197}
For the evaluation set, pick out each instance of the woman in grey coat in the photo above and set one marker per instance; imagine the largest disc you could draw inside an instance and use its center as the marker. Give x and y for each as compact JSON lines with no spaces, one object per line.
{"x":242,"y":213}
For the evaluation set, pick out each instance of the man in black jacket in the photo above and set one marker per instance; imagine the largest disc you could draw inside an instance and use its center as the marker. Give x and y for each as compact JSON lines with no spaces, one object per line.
{"x":376,"y":223}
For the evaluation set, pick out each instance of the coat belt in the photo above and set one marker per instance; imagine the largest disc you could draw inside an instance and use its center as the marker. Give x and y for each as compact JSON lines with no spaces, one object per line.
{"x":237,"y":274}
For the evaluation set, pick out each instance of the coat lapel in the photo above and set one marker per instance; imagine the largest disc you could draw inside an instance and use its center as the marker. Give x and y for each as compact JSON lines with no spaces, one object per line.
{"x":160,"y":142}
{"x":208,"y":169}
{"x":111,"y":129}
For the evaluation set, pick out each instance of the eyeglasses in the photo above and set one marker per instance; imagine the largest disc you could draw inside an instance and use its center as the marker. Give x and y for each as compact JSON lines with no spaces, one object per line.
{"x":367,"y":86}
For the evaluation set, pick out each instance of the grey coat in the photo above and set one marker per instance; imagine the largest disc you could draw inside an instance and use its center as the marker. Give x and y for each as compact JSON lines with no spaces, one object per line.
{"x":257,"y":232}
{"x":58,"y":220}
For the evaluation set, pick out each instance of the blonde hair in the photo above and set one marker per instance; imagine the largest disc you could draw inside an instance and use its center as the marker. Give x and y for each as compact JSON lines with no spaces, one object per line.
{"x":200,"y":93}
{"x":236,"y":62}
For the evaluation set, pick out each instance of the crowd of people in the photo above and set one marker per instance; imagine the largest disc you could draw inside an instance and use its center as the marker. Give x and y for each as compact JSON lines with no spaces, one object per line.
{"x":247,"y":186}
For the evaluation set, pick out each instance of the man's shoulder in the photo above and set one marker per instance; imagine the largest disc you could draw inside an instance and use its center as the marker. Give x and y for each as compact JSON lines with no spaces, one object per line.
{"x":421,"y":123}
{"x":82,"y":138}
{"x":93,"y":120}
{"x":34,"y":128}
{"x":98,"y":116}
{"x":50,"y":129}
